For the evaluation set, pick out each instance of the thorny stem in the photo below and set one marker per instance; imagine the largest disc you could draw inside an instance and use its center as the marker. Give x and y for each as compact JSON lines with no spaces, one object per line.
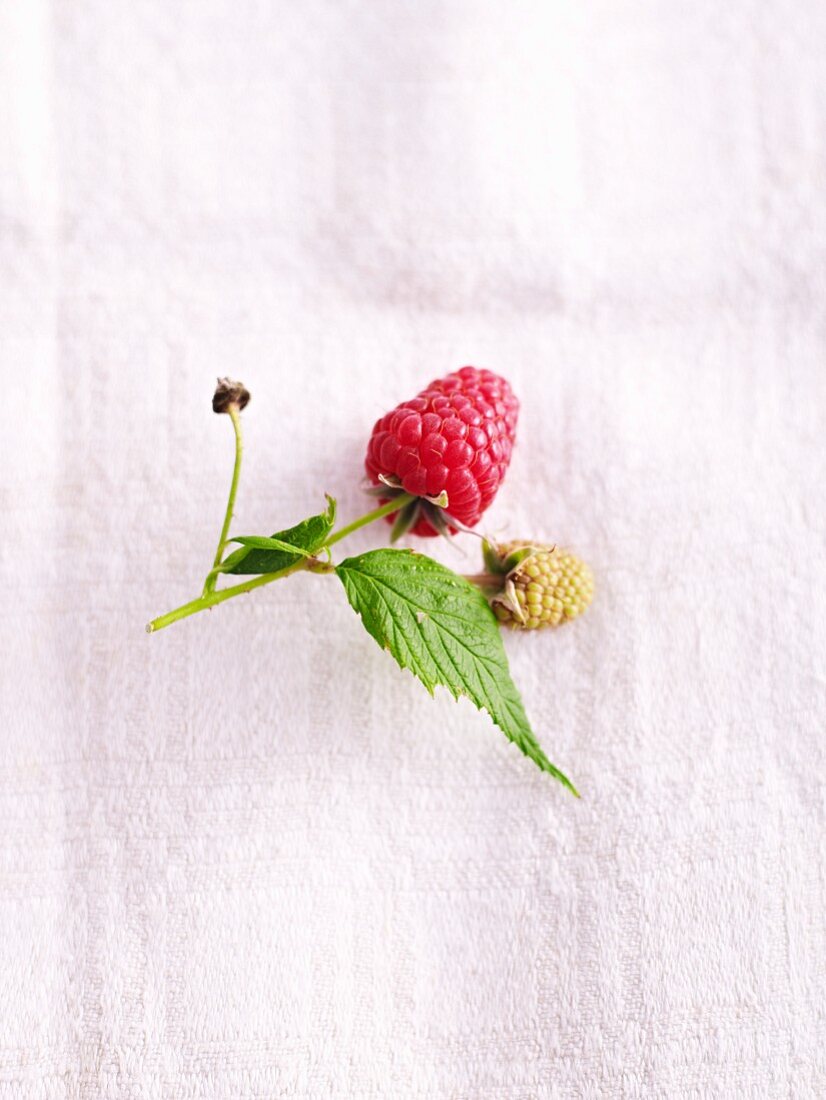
{"x":212,"y":576}
{"x":210,"y":598}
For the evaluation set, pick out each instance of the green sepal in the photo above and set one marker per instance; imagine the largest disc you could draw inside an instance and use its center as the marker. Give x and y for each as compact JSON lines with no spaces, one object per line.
{"x":438,"y":520}
{"x":405,"y":519}
{"x":495,"y":563}
{"x":304,"y":540}
{"x":516,"y":557}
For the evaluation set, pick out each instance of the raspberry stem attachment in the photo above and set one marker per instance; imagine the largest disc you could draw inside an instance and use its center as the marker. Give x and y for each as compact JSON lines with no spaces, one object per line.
{"x":235,"y":416}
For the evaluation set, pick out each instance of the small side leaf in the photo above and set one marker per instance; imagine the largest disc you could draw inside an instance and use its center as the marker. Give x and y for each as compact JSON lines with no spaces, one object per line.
{"x":305,"y":539}
{"x":261,"y":542}
{"x":440,"y":626}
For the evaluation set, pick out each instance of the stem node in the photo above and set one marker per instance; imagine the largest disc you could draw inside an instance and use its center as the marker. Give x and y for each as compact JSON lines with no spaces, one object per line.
{"x":210,"y":598}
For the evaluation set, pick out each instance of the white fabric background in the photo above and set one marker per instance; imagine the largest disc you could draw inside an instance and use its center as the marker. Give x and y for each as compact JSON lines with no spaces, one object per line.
{"x":248,"y":857}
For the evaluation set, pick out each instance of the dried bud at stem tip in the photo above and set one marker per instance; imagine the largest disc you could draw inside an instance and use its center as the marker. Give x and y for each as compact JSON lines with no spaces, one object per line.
{"x":228,"y":394}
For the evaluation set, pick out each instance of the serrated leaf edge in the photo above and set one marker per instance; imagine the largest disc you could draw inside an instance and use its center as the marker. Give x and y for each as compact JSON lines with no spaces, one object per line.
{"x":525,"y":742}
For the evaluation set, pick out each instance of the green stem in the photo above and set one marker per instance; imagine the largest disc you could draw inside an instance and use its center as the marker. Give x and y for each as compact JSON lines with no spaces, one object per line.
{"x":212,"y":576}
{"x":210,"y":598}
{"x":485,"y":580}
{"x":377,"y":513}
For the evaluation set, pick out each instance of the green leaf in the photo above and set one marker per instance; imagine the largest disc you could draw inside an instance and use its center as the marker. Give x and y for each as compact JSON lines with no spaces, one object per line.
{"x":306,"y":538}
{"x":440,"y":626}
{"x":261,"y":542}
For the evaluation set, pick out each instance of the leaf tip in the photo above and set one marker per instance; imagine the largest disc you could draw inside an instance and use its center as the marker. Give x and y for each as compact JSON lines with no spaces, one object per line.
{"x":565,"y":781}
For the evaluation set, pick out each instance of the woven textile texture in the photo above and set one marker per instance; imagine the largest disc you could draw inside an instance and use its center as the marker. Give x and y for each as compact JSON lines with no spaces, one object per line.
{"x":248,"y":856}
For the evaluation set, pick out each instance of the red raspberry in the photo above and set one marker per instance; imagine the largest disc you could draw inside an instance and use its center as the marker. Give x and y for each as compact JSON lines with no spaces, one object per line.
{"x":455,"y":437}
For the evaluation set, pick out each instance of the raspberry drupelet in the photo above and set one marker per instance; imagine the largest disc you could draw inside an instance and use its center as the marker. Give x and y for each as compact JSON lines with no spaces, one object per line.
{"x":548,"y":587}
{"x":456,"y":437}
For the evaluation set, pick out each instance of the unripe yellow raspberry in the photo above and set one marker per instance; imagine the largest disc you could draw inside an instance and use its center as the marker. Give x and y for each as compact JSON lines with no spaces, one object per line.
{"x":547,"y":587}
